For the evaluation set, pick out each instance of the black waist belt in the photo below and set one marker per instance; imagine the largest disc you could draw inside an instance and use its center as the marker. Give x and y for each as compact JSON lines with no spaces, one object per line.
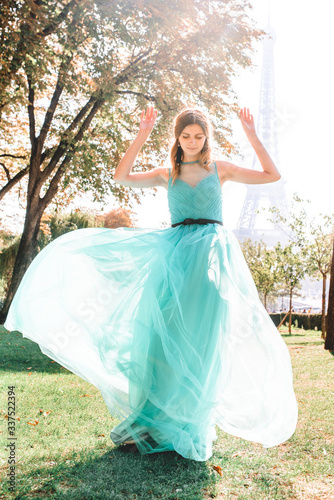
{"x":198,"y":221}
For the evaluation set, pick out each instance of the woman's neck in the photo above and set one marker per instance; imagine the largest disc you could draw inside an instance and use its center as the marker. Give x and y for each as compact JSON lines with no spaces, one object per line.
{"x":188,"y":158}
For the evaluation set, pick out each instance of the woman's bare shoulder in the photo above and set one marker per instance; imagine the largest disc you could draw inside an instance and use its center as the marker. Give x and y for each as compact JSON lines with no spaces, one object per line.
{"x":224,"y":169}
{"x":163,"y":173}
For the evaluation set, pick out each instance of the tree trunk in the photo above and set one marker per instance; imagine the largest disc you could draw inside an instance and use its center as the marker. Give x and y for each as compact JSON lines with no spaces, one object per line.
{"x":265,"y":300}
{"x":323,"y":307}
{"x":290,"y":308}
{"x":25,"y":255}
{"x":329,"y":342}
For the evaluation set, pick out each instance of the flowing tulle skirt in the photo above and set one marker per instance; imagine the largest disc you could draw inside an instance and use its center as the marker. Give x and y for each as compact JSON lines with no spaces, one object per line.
{"x":168,"y":325}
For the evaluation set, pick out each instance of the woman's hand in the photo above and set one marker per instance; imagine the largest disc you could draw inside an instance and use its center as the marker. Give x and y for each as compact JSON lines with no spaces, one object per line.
{"x":147,"y":120}
{"x":123,"y":174}
{"x":247,"y":122}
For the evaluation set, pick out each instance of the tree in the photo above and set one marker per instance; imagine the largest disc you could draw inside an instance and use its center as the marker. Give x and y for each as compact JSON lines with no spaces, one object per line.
{"x":291,"y":262}
{"x":313,"y":235}
{"x":9,"y":244}
{"x":263,"y":266}
{"x":23,"y":28}
{"x":329,"y":341}
{"x":83,"y":69}
{"x":118,"y":218}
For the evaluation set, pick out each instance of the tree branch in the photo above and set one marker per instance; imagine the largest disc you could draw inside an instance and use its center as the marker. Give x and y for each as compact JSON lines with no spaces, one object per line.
{"x":53,"y":187}
{"x":6,"y":171}
{"x":54,"y":102}
{"x":123,"y":76}
{"x":31,"y":114}
{"x":11,"y":183}
{"x":7,"y":155}
{"x":65,"y":141}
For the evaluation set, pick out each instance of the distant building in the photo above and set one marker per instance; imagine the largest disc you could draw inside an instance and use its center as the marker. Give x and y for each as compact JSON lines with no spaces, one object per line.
{"x":253,"y":221}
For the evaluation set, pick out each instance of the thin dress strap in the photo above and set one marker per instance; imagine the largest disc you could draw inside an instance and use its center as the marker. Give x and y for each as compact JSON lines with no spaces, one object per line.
{"x":216,"y":168}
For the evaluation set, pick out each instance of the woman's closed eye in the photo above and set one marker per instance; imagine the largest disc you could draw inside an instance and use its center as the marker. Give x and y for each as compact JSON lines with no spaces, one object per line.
{"x":197,"y":137}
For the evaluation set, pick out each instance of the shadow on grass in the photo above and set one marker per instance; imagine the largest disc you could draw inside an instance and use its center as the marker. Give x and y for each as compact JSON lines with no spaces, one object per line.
{"x":309,"y":343}
{"x":18,"y":353}
{"x":120,"y":475}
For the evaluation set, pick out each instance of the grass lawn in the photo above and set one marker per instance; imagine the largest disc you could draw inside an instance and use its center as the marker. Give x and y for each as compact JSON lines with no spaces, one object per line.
{"x":63,"y":449}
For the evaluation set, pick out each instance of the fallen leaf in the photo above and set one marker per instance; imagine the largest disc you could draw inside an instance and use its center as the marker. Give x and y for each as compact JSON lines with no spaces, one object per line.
{"x":22,"y":346}
{"x":45,"y":413}
{"x":85,"y":396}
{"x":101,"y":435}
{"x":218,"y":469}
{"x":33,"y":423}
{"x":30,"y":367}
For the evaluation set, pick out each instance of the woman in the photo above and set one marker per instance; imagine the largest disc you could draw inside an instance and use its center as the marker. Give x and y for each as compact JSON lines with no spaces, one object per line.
{"x":167,"y":323}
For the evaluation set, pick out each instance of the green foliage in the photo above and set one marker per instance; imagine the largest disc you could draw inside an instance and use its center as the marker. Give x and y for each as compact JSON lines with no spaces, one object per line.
{"x":57,"y":224}
{"x":312,"y":234}
{"x":274,"y":270}
{"x":263,"y":265}
{"x":302,"y":320}
{"x":292,"y":264}
{"x":314,"y":238}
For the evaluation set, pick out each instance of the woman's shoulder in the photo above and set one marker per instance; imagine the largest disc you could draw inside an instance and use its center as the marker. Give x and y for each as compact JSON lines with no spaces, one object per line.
{"x":224,"y":168}
{"x":164,"y":173}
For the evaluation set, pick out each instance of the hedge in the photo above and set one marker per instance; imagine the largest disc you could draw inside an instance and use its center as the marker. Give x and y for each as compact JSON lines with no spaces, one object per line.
{"x":306,"y":321}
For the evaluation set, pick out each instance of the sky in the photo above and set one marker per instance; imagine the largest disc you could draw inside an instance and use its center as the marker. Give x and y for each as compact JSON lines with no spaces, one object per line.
{"x":304,"y":86}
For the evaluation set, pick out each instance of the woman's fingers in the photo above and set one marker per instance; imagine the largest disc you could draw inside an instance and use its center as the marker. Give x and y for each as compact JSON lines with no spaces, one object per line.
{"x":245,"y":114}
{"x":150,"y":114}
{"x":148,"y":117}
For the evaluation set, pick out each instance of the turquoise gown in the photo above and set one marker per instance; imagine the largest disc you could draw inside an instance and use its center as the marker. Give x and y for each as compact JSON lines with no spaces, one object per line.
{"x":167,"y":324}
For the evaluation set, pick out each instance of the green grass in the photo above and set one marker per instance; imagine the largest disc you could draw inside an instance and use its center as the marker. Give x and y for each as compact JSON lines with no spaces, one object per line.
{"x":68,"y":454}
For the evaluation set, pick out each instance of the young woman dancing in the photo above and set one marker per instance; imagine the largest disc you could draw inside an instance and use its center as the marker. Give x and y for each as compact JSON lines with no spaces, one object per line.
{"x":167,"y":323}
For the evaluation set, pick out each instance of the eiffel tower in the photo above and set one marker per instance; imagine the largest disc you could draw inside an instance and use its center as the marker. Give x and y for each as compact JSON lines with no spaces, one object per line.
{"x":254,"y":220}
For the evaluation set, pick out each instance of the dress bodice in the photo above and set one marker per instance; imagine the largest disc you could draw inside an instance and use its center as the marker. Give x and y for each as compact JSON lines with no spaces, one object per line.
{"x":202,"y":201}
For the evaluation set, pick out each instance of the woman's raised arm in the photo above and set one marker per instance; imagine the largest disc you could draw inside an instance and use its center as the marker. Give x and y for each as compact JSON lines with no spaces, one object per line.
{"x":123,"y":173}
{"x":230,"y":172}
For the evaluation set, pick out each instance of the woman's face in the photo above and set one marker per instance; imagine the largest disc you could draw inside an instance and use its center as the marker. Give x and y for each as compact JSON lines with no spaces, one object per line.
{"x":192,"y":140}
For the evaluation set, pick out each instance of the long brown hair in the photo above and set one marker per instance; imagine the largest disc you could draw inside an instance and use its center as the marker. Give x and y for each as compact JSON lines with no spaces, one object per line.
{"x":185,"y":118}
